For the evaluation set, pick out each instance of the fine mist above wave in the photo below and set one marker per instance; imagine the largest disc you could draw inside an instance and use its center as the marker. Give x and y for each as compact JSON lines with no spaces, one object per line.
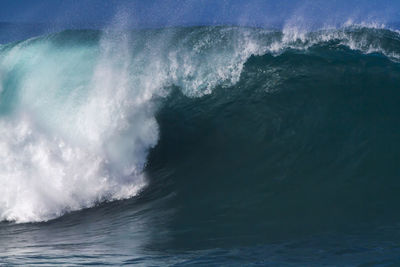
{"x":78,"y":107}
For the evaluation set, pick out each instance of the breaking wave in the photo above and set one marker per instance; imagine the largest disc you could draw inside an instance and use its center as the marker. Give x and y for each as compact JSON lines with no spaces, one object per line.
{"x":80,"y":110}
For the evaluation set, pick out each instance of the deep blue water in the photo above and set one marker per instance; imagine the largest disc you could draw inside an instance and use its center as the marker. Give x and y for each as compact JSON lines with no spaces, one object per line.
{"x":201,"y":146}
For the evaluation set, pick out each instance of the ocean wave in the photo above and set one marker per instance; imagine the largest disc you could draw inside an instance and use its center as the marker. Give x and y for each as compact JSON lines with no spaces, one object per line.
{"x":79,"y":108}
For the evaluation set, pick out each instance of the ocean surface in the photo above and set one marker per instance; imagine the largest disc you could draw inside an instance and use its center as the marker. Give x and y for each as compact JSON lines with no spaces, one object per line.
{"x":209,"y":145}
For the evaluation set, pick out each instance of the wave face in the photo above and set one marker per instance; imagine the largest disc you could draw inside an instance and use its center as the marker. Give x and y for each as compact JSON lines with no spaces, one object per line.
{"x":290,"y":130}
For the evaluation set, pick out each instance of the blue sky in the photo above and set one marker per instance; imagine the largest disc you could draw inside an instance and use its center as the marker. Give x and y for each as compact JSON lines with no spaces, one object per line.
{"x":81,"y":13}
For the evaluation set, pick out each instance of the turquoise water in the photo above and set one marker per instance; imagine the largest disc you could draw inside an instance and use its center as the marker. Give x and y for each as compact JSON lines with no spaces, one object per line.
{"x":202,"y":145}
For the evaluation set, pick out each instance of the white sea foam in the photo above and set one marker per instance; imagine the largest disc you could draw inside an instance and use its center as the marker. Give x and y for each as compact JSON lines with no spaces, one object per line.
{"x":79,"y":132}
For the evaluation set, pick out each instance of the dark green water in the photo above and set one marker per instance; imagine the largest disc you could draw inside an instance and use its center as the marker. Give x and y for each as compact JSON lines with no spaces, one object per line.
{"x":248,"y":146}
